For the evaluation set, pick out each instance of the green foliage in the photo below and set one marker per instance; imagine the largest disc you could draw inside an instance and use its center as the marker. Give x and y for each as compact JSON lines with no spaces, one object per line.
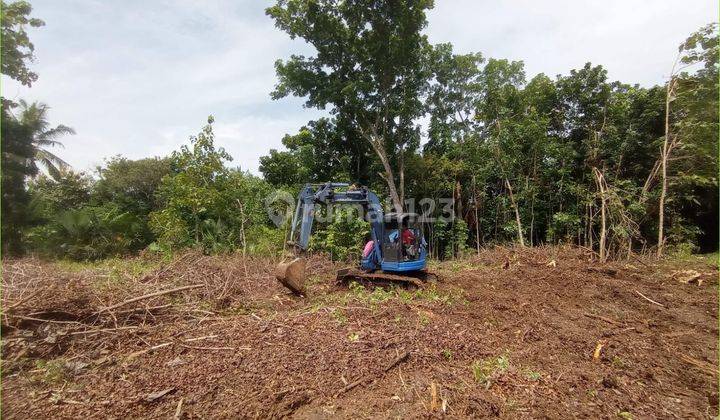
{"x":502,"y":146}
{"x":17,"y":153}
{"x":316,"y":154}
{"x":532,"y":375}
{"x":87,"y":233}
{"x":485,"y":371}
{"x":192,"y":196}
{"x":451,"y":238}
{"x":344,"y":237}
{"x":69,"y":190}
{"x":491,"y":130}
{"x":35,"y":117}
{"x":370,"y":70}
{"x":131,"y":184}
{"x":563,"y":227}
{"x":17,"y":50}
{"x":25,"y":141}
{"x":206,"y":205}
{"x":51,"y":372}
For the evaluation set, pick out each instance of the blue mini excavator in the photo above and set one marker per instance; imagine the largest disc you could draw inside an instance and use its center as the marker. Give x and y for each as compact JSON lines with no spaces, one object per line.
{"x":398,"y":251}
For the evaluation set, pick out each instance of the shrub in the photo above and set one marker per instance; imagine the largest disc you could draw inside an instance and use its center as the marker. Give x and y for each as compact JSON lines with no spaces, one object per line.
{"x":344,"y":237}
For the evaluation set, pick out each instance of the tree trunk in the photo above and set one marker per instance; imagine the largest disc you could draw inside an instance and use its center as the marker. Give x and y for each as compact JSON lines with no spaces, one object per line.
{"x":663,"y":168}
{"x":477,"y":221}
{"x":517,"y":213}
{"x":379,"y":147}
{"x":665,"y":154}
{"x":603,"y":229}
{"x":197,"y":228}
{"x":401,"y":175}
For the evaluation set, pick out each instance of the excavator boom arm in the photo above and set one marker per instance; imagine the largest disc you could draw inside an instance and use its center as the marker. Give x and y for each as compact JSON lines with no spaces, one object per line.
{"x":326,"y":194}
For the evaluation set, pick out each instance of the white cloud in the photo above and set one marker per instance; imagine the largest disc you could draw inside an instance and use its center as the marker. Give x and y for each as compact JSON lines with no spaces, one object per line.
{"x":635,"y":40}
{"x":138,"y":78}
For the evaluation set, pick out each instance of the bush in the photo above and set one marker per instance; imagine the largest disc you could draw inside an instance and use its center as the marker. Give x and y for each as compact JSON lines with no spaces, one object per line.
{"x":344,"y":237}
{"x":204,"y":204}
{"x":88,"y":233}
{"x":451,"y":238}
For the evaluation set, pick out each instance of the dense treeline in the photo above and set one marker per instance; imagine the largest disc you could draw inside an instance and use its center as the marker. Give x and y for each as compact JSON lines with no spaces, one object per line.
{"x":576,"y":158}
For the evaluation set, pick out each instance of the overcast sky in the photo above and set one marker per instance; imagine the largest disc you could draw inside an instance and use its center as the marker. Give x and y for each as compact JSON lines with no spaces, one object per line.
{"x":137,"y":78}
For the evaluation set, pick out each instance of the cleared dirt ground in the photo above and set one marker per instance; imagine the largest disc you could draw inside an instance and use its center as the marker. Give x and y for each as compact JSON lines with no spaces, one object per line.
{"x":511,"y":333}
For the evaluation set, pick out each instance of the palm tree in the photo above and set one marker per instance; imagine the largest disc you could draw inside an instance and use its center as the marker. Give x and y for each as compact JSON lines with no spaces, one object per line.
{"x":34,"y":117}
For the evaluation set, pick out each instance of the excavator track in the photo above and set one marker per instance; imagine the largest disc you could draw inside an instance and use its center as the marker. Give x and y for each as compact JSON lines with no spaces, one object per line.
{"x":416,"y":279}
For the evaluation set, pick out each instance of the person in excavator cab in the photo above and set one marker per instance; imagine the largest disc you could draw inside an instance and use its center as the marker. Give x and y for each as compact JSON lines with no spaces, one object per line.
{"x":407,"y":238}
{"x":408,"y":243}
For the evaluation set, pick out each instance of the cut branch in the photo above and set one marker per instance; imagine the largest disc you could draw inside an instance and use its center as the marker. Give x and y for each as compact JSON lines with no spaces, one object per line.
{"x":148,"y":296}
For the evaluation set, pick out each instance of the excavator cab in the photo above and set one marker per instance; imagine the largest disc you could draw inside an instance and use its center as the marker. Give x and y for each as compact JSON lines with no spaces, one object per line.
{"x":403,"y":246}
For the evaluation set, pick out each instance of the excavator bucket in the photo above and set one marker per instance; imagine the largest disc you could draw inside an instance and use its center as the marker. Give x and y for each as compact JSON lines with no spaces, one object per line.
{"x":292,"y":275}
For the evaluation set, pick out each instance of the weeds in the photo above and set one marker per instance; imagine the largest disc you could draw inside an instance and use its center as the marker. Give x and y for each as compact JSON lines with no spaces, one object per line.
{"x":618,"y":363}
{"x":532,"y":375}
{"x":339,"y":316}
{"x":378,"y":295}
{"x":447,"y":354}
{"x":51,"y":371}
{"x":134,"y":267}
{"x":423,"y":319}
{"x":485,"y":371}
{"x":116,"y":271}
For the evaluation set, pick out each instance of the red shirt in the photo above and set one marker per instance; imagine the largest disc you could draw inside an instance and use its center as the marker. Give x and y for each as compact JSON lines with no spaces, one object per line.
{"x":408,"y":237}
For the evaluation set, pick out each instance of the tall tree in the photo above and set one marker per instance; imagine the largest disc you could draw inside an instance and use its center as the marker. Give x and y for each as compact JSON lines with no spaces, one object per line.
{"x":694,"y":124}
{"x":17,"y":164}
{"x":369,"y":69}
{"x":453,"y":98}
{"x":17,"y":50}
{"x":35,"y":117}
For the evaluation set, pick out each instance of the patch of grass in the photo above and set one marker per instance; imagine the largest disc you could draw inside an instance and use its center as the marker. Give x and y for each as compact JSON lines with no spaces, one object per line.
{"x":130,"y":266}
{"x":373,"y":296}
{"x":484,"y":371}
{"x":50,"y":371}
{"x":618,"y":363}
{"x":456,"y":266}
{"x":447,"y":354}
{"x":112,"y":272}
{"x":313,"y":280}
{"x":625,"y":415}
{"x":423,"y":319}
{"x":532,"y":375}
{"x":353,"y":337}
{"x":339,"y":316}
{"x":683,"y":253}
{"x":379,"y":295}
{"x":511,"y":405}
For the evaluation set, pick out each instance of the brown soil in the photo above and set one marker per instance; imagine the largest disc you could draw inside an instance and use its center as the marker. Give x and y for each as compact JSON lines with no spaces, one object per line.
{"x":509,"y":333}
